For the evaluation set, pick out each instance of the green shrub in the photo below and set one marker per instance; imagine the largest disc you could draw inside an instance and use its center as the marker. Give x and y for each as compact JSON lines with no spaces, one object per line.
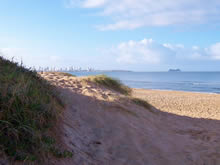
{"x":111,"y":83}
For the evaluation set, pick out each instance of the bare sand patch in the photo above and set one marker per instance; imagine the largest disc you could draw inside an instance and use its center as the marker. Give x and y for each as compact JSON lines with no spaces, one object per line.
{"x":198,"y":105}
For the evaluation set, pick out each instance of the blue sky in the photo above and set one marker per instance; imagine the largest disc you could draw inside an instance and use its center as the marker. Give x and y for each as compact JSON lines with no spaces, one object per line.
{"x":140,"y":35}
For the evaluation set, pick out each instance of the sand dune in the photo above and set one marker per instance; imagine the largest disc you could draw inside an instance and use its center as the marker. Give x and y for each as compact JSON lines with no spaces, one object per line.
{"x":102,"y":127}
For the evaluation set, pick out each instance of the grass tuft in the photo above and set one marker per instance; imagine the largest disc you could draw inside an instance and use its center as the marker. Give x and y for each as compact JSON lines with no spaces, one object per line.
{"x":111,"y":83}
{"x":141,"y":102}
{"x":29,"y":109}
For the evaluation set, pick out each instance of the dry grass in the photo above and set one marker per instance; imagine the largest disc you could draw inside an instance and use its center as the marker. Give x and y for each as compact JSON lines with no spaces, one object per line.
{"x":111,"y":83}
{"x":142,"y":103}
{"x":29,"y":109}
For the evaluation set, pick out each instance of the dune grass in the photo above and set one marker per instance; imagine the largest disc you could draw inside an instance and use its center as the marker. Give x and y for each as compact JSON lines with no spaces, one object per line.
{"x":142,"y":103}
{"x":111,"y":83}
{"x":116,"y":85}
{"x":63,"y":74}
{"x":29,"y":109}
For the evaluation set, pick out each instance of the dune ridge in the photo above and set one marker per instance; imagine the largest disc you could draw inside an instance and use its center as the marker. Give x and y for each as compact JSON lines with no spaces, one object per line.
{"x":102,"y":127}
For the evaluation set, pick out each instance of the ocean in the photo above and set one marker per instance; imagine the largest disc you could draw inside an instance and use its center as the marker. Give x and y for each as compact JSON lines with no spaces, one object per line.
{"x":205,"y":82}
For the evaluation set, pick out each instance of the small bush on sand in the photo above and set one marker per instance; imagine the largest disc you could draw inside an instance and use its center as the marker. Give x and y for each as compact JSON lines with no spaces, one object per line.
{"x":111,"y":83}
{"x":141,"y":102}
{"x":28,"y":111}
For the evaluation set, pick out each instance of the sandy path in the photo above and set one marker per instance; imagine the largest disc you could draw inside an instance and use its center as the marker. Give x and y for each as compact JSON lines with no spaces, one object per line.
{"x":102,"y":127}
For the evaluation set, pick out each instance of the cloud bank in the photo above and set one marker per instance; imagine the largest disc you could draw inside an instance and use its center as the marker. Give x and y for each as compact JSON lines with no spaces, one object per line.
{"x":148,"y":51}
{"x":143,"y":55}
{"x":132,"y":14}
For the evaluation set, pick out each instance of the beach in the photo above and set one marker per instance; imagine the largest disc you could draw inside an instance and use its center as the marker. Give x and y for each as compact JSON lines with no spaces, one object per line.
{"x":102,"y":126}
{"x":191,"y":104}
{"x":107,"y":82}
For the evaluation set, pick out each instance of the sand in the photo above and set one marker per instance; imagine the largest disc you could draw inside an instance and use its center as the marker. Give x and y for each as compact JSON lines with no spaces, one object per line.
{"x":197,"y":105}
{"x":103,"y":127}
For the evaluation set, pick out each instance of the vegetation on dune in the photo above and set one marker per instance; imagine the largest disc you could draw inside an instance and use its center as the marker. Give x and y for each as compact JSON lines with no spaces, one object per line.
{"x":29,"y":108}
{"x":141,"y":102}
{"x":111,"y":83}
{"x":119,"y":87}
{"x":28,"y":111}
{"x":63,"y":74}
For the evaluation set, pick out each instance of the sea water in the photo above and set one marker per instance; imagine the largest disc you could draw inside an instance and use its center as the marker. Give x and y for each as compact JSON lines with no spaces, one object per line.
{"x":208,"y":82}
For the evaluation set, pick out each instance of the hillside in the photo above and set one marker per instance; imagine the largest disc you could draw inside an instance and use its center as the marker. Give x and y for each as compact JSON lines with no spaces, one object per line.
{"x":29,"y":109}
{"x":102,"y":126}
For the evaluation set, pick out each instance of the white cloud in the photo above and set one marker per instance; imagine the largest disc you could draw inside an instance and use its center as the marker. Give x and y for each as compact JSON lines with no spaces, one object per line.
{"x":148,"y":51}
{"x":195,"y":48}
{"x":214,"y":51}
{"x":173,"y":47}
{"x":131,"y":14}
{"x":93,"y":3}
{"x":85,"y":4}
{"x":120,"y":25}
{"x":145,"y":51}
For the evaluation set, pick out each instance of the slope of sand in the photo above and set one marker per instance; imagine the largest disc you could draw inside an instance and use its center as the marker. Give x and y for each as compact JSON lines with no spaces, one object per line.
{"x":103,"y":127}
